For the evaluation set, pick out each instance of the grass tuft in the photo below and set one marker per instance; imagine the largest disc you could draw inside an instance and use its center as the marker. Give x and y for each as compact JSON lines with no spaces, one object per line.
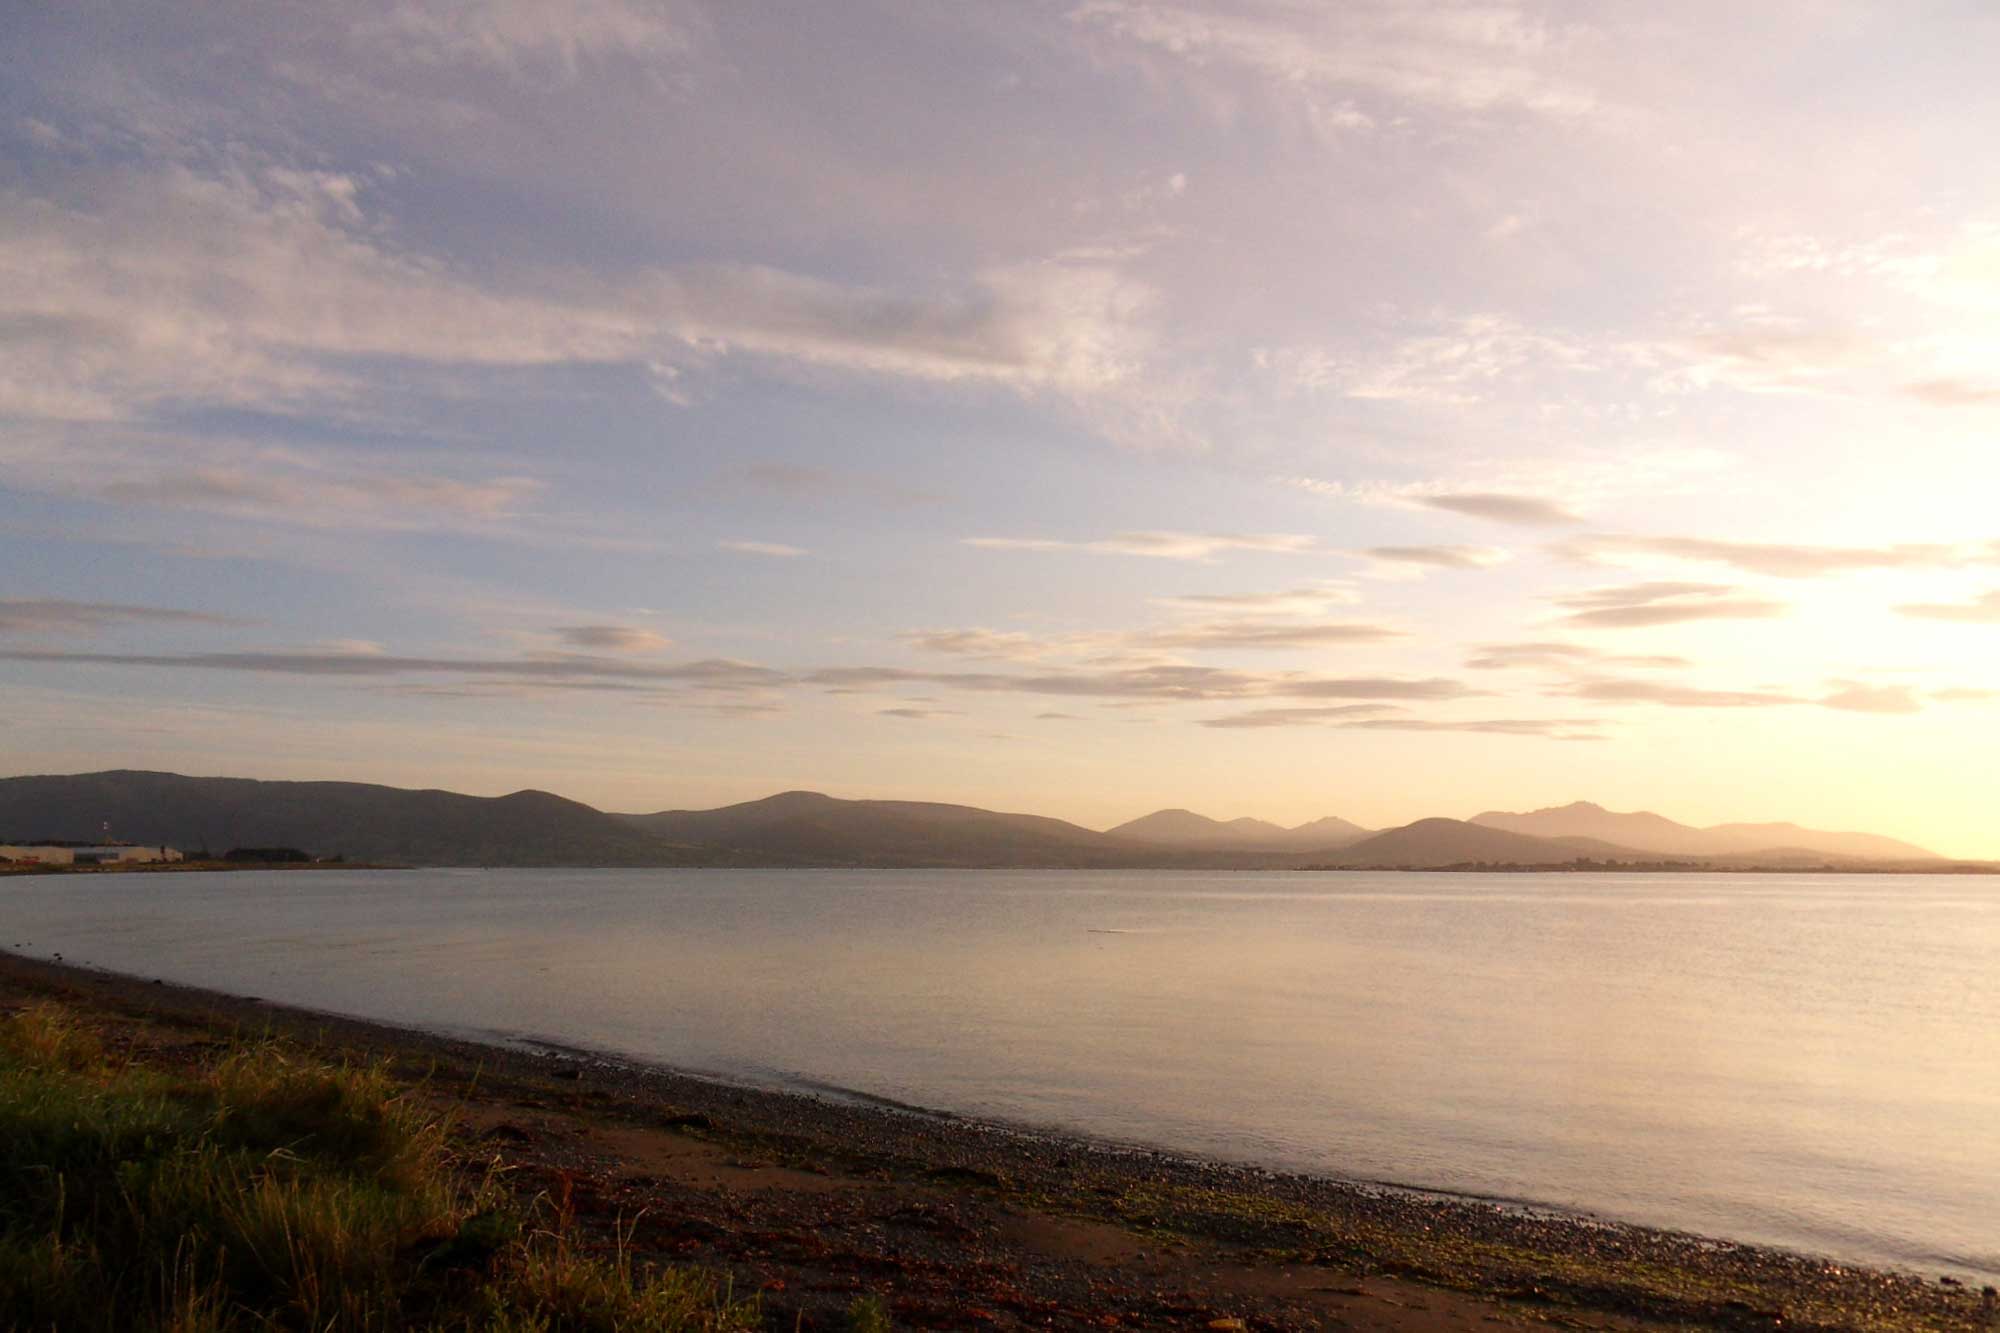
{"x":48,"y":1036}
{"x":267,"y":1190}
{"x":868,"y":1315}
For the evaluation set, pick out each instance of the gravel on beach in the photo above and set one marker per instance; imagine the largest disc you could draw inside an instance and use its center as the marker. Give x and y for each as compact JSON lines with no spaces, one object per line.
{"x":958,"y":1223}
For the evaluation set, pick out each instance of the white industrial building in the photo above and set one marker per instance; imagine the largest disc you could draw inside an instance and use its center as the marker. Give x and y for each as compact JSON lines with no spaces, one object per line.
{"x":38,"y":855}
{"x":105,"y":853}
{"x":63,"y":854}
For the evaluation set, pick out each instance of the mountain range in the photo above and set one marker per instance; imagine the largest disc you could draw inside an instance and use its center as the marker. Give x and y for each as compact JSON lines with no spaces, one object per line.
{"x":391,"y":825}
{"x":1647,"y":832}
{"x":1185,"y":828}
{"x":808,"y":828}
{"x":360,"y":821}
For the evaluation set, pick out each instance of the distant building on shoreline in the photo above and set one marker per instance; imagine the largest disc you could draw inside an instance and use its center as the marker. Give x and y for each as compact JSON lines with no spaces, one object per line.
{"x":55,"y":853}
{"x":37,"y":854}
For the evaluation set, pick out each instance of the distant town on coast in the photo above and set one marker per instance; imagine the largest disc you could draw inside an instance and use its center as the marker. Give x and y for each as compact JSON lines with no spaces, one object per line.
{"x":130,"y":818}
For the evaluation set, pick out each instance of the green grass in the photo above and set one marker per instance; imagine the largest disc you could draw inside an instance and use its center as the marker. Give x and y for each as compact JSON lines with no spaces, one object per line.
{"x":1665,"y":1291}
{"x":868,"y":1315}
{"x":267,"y":1190}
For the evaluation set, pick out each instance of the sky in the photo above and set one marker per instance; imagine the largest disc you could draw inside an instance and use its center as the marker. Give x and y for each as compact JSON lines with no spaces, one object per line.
{"x":1271,"y":408}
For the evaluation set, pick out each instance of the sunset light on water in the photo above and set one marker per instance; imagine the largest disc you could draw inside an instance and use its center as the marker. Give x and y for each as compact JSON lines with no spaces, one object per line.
{"x":1222,"y":664}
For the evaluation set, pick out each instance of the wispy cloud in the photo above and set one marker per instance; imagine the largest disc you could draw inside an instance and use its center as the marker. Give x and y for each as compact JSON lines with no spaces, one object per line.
{"x":1473,"y":359}
{"x":732,"y":707}
{"x":995,"y":645}
{"x":1354,"y":63}
{"x":1165,"y":682}
{"x":1066,"y":326}
{"x":1842,"y":695}
{"x":709,"y":673}
{"x":262,"y":285}
{"x":242,"y":287}
{"x":1509,"y":656}
{"x":324,"y":488}
{"x":1638,"y":605}
{"x":1954,"y":393}
{"x":1376,"y":687}
{"x":1266,"y":634}
{"x":339,"y":298}
{"x":1170,"y":682}
{"x":1785,"y":560}
{"x":1560,"y":729}
{"x":776,"y":549}
{"x":1611,"y":690}
{"x":1981,"y":610}
{"x":319,"y":494}
{"x":365,"y":647}
{"x":1856,"y":697}
{"x":613,"y":638}
{"x":1310,"y":599}
{"x":1258,"y":718}
{"x":1436,"y":557}
{"x":1552,"y":655}
{"x":1526,"y":511}
{"x":1196,"y":636}
{"x":520,"y":37}
{"x":1369,"y":717}
{"x":45,"y":615}
{"x":819,"y":485}
{"x":1156,"y":545}
{"x":1764,"y":352}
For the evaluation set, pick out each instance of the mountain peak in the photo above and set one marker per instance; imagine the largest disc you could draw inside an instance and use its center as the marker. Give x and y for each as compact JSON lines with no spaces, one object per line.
{"x":1174,"y":822}
{"x":1644,"y":831}
{"x":369,"y":822}
{"x":1185,"y":828}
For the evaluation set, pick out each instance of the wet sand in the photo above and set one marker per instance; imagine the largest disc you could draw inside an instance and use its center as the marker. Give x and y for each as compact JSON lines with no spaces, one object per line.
{"x":958,"y":1223}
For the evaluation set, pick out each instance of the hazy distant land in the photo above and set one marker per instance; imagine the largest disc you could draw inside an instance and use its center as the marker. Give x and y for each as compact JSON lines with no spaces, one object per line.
{"x":389,"y":825}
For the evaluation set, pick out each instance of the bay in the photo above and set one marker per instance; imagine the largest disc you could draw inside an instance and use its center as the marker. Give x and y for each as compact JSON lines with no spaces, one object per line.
{"x":1805,"y":1060}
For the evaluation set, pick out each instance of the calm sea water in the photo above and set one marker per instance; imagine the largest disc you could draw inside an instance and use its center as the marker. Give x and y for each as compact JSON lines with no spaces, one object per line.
{"x":1812,"y":1061}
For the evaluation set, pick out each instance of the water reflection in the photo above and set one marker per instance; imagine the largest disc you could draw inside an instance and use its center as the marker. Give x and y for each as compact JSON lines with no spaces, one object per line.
{"x":1801,"y":1059}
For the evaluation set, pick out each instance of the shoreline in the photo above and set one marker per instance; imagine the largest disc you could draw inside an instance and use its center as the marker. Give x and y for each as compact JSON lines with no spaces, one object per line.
{"x":182,"y":867}
{"x":1105,"y":1222}
{"x":1577,"y":867}
{"x":1051,"y":1136}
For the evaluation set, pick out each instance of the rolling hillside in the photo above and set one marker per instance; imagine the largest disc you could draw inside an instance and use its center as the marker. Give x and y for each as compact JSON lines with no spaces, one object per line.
{"x":390,"y":825}
{"x":1648,"y":832}
{"x":824,"y":830}
{"x":360,"y":821}
{"x":1866,"y":846}
{"x":1444,"y":842}
{"x":1185,"y":828}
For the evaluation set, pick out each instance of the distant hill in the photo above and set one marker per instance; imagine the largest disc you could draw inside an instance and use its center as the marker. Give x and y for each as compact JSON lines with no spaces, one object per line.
{"x":392,"y":825}
{"x":1330,"y":831}
{"x":807,"y":826}
{"x":1642,"y":830}
{"x":1867,"y":846}
{"x":1648,"y":832}
{"x":360,"y":821}
{"x":1185,"y":828}
{"x":1445,"y":842}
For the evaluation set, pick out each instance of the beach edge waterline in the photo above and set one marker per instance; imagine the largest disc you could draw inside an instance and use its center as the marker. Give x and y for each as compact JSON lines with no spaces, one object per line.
{"x":1488,"y":1247}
